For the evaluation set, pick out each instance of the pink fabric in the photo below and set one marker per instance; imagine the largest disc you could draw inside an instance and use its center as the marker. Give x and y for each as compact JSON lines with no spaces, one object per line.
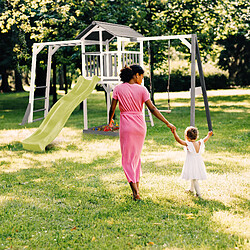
{"x":132,"y":127}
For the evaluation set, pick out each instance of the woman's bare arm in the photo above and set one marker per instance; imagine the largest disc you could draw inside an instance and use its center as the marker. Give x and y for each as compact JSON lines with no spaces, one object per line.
{"x":158,"y":114}
{"x":112,"y":110}
{"x":178,"y":139}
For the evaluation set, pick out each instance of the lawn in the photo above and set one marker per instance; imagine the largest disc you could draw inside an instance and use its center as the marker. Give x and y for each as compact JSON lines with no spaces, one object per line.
{"x":75,"y":195}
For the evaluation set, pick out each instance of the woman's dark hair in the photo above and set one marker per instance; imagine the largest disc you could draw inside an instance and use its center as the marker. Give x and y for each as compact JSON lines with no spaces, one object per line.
{"x":126,"y":74}
{"x":137,"y":69}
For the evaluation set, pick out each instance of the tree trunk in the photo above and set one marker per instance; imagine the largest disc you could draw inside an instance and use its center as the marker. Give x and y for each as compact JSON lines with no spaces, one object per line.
{"x":40,"y":80}
{"x":18,"y":81}
{"x":5,"y":84}
{"x":65,"y":78}
{"x":61,"y":79}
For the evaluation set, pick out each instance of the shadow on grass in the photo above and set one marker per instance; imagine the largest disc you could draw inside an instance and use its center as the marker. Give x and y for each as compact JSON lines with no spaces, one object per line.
{"x":211,"y":205}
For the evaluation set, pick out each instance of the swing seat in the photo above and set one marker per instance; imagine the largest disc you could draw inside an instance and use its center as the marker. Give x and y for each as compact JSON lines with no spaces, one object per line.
{"x":165,"y":110}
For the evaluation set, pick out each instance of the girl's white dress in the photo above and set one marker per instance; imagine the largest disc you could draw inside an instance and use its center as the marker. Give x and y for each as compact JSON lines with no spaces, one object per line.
{"x":194,"y":167}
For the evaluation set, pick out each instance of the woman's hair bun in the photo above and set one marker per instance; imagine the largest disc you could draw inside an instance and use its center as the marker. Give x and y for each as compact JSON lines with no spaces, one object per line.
{"x":126,"y":74}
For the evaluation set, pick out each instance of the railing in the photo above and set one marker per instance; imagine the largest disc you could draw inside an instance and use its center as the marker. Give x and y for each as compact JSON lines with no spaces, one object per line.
{"x":130,"y":57}
{"x":110,"y":62}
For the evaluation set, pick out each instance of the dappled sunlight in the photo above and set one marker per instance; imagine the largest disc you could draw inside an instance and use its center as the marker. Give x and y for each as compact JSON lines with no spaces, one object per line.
{"x":6,"y":198}
{"x":69,"y":145}
{"x":222,"y":158}
{"x":80,"y":177}
{"x":220,"y":188}
{"x":114,"y":164}
{"x":77,"y":189}
{"x":232,"y":223}
{"x":160,"y":158}
{"x":229,"y":104}
{"x":16,"y":163}
{"x":8,"y":136}
{"x":231,"y":110}
{"x":115,"y":182}
{"x":210,"y":93}
{"x":152,"y":145}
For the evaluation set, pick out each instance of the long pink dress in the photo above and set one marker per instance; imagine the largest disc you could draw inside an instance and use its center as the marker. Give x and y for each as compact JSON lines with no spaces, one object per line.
{"x":132,"y":127}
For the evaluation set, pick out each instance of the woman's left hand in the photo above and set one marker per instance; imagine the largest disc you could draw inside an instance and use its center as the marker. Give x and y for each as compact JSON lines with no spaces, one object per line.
{"x":172,"y":127}
{"x":111,"y":123}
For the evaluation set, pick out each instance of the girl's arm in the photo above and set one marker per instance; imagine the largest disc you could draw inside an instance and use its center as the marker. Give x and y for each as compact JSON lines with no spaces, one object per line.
{"x":158,"y":114}
{"x":112,"y":111}
{"x":209,"y":134}
{"x":177,"y":138}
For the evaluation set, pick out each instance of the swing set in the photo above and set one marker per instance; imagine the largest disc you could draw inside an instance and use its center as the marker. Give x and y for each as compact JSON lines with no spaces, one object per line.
{"x":168,"y":110}
{"x":106,"y":63}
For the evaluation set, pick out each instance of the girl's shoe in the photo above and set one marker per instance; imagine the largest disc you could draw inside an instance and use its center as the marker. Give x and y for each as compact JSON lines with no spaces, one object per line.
{"x":188,"y":191}
{"x":199,"y":196}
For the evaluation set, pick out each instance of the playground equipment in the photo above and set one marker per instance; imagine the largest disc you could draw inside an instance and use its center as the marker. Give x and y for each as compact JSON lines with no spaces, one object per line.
{"x":59,"y":114}
{"x":168,"y":110}
{"x":114,"y":51}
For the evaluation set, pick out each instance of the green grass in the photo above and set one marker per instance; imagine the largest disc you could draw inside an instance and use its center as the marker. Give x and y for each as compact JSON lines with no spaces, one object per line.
{"x":75,"y":195}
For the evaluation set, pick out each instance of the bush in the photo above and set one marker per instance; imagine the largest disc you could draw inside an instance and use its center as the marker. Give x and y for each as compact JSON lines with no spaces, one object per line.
{"x":235,"y":58}
{"x":181,"y":82}
{"x":218,"y":81}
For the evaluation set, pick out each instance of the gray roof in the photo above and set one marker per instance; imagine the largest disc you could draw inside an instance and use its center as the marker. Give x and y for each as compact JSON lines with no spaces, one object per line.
{"x":110,"y":30}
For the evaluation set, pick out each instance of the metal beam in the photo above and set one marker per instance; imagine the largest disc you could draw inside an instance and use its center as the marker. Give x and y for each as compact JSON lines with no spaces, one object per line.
{"x":192,"y":108}
{"x":187,"y":43}
{"x":46,"y":105}
{"x":153,"y":38}
{"x":203,"y":87}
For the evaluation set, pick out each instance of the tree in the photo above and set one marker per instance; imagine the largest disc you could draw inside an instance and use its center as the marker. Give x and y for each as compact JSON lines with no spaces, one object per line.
{"x":235,"y":58}
{"x":147,"y":19}
{"x":6,"y":60}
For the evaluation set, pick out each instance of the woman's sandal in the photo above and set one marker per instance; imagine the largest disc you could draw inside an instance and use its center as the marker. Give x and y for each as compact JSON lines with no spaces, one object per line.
{"x":137,"y":197}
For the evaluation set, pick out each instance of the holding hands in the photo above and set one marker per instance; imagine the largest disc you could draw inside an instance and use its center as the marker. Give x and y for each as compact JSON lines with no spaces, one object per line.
{"x":210,"y":133}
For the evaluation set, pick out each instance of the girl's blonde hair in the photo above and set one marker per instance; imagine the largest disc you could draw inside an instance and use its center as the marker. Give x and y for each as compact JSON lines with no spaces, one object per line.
{"x":192,"y":133}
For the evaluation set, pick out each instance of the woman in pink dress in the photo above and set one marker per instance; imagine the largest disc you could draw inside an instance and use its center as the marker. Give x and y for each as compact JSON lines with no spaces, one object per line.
{"x":131,"y":96}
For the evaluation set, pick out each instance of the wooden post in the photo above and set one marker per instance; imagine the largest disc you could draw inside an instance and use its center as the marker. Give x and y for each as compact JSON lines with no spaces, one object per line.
{"x":108,"y":101}
{"x":32,"y":83}
{"x":203,"y":87}
{"x":141,"y":64}
{"x":108,"y":74}
{"x":101,"y":54}
{"x":85,"y":110}
{"x":46,"y":104}
{"x":107,"y":58}
{"x":119,"y":55}
{"x":192,"y":110}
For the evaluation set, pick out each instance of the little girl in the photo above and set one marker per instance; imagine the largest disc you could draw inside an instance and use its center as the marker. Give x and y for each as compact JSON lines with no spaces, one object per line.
{"x":194,"y":167}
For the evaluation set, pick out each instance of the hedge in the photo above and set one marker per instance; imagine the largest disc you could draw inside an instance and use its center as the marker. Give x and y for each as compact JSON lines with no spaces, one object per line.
{"x":181,"y":82}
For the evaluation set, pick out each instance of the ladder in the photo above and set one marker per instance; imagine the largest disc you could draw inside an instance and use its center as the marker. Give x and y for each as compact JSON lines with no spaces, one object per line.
{"x":149,"y":116}
{"x":31,"y":104}
{"x":28,"y":116}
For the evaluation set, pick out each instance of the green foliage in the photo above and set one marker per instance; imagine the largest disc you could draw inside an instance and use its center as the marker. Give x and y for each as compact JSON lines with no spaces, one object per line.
{"x":181,"y":82}
{"x":26,"y":22}
{"x":235,"y":58}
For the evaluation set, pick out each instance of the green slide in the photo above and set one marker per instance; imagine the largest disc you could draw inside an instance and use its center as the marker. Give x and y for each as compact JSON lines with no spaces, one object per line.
{"x":59,"y":114}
